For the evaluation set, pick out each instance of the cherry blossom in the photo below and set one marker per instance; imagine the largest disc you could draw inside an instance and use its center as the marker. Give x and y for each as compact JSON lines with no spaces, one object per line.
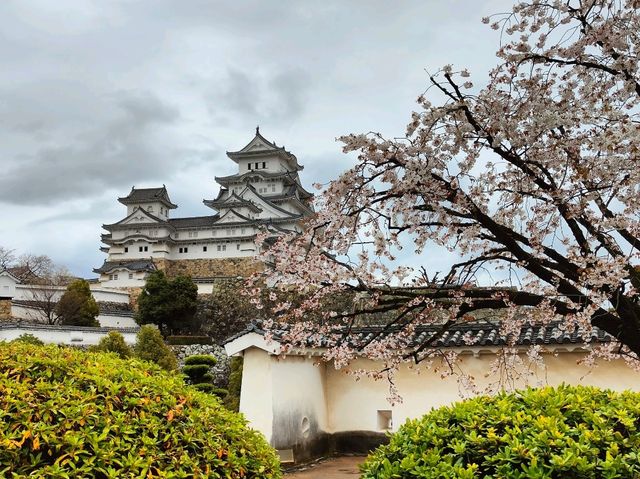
{"x":535,"y":176}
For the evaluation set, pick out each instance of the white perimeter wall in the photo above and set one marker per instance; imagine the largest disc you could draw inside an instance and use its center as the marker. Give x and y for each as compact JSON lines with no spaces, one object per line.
{"x":354,"y":406}
{"x":30,"y":292}
{"x":77,"y":337}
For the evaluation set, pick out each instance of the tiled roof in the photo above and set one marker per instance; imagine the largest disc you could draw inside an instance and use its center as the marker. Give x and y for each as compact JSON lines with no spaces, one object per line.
{"x":193,"y":221}
{"x":142,"y":195}
{"x":135,"y":265}
{"x":466,"y":335}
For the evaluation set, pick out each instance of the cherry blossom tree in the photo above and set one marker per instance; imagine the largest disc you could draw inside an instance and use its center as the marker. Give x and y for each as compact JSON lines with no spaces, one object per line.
{"x":534,"y":176}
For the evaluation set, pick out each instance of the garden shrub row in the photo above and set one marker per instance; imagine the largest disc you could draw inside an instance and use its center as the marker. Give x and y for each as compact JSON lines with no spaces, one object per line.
{"x":65,"y":413}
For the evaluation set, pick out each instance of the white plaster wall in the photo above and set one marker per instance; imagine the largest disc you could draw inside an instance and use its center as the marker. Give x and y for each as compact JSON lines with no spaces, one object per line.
{"x":353,"y":406}
{"x":256,"y":396}
{"x":106,"y":295}
{"x":112,"y":321}
{"x":299,"y":402}
{"x":58,"y":336}
{"x":105,"y":320}
{"x":7,"y":287}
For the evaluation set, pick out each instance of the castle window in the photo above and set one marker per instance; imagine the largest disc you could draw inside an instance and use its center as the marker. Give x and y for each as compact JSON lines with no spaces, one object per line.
{"x":146,"y":248}
{"x":249,"y":166}
{"x":140,"y":249}
{"x":126,"y":249}
{"x":130,"y":275}
{"x":238,"y":246}
{"x":204,"y":249}
{"x":264,"y":164}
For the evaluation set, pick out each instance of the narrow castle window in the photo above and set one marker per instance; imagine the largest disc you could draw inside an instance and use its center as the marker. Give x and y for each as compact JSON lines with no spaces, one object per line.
{"x":126,"y":249}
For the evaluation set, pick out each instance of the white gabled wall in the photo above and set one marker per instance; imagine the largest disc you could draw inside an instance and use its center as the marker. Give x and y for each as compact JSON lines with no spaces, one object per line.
{"x":256,"y":396}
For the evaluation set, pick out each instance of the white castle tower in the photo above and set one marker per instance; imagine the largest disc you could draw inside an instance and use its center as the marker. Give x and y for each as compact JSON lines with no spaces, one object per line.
{"x":265,"y":194}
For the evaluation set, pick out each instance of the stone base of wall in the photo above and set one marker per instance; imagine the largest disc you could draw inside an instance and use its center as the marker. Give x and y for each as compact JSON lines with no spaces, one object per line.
{"x":347,"y":442}
{"x":209,"y":268}
{"x":5,"y":309}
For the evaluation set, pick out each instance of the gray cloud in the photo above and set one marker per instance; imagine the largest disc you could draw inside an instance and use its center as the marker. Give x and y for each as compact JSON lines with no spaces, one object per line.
{"x":126,"y":148}
{"x":260,"y":97}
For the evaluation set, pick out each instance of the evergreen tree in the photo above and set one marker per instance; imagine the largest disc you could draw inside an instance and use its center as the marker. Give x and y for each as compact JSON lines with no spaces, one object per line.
{"x":169,"y":304}
{"x":77,"y":307}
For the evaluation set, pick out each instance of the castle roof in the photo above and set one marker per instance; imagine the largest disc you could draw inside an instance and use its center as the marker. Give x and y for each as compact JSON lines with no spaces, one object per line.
{"x":193,"y":221}
{"x":147,"y":195}
{"x":259,"y":146}
{"x":132,"y":265}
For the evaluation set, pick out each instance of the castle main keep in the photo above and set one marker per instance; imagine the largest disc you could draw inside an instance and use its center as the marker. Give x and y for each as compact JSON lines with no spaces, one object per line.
{"x":264,"y":195}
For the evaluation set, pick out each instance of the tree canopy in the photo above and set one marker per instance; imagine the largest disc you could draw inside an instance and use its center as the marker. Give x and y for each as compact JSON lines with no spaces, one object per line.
{"x":170,"y":304}
{"x":77,"y":307}
{"x":533,"y":177}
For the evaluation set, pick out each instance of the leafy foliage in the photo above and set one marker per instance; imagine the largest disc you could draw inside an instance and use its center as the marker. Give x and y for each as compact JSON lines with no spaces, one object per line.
{"x":232,"y":399}
{"x":77,"y":306}
{"x":65,"y":413}
{"x":28,"y":338}
{"x":543,"y":433}
{"x":151,"y":347}
{"x":201,"y":359}
{"x":169,"y":304}
{"x":114,"y":342}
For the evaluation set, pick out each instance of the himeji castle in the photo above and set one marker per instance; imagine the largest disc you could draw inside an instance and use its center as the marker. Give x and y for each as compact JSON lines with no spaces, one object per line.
{"x":264,"y":195}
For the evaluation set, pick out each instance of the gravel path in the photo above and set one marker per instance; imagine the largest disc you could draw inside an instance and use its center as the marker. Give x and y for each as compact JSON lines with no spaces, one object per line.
{"x":333,"y":468}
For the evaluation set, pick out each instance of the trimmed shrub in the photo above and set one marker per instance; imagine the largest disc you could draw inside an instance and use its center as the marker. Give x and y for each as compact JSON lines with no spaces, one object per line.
{"x":151,"y":347}
{"x":114,"y":342}
{"x":580,"y":432}
{"x":65,"y":413}
{"x":195,"y":372}
{"x":201,"y":359}
{"x":197,"y":369}
{"x":28,"y":338}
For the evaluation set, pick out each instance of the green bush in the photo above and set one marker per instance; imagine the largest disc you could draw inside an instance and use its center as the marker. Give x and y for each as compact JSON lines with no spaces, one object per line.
{"x":201,"y":359}
{"x":28,"y":338}
{"x":232,"y":399}
{"x":568,"y":432}
{"x":196,"y":371}
{"x":114,"y":342}
{"x":65,"y":413}
{"x":151,"y":347}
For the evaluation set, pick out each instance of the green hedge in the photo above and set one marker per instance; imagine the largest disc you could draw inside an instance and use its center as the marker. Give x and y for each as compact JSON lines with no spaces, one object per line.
{"x":568,"y":432}
{"x":66,"y":413}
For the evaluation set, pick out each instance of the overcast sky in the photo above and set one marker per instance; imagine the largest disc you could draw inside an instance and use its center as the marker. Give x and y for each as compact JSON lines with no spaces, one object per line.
{"x":98,"y":96}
